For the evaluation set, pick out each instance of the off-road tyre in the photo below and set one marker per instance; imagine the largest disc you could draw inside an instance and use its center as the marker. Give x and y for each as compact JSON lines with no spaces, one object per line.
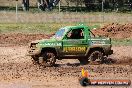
{"x":48,"y":58}
{"x":95,"y":56}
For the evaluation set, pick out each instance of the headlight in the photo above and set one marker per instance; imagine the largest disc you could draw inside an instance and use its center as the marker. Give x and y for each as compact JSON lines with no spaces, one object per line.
{"x":33,"y":45}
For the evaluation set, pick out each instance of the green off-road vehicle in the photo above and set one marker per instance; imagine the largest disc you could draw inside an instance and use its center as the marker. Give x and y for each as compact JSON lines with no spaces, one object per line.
{"x":70,"y":42}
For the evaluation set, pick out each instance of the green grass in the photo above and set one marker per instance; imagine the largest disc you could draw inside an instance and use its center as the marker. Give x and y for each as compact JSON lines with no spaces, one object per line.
{"x":33,"y":27}
{"x":27,"y":28}
{"x":122,"y":42}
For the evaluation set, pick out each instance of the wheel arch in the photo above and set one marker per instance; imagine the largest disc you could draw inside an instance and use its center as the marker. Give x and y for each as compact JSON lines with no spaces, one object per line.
{"x":49,"y":49}
{"x":95,"y":48}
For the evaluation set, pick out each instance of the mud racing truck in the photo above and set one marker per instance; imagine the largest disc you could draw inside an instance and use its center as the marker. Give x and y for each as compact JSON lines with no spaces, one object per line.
{"x":70,"y":42}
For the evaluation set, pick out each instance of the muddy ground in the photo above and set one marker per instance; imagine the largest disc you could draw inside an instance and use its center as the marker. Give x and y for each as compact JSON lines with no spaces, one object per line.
{"x":17,"y":70}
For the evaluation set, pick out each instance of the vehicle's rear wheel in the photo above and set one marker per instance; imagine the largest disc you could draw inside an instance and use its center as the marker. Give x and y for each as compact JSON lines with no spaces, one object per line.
{"x":96,"y":56}
{"x":48,"y":59}
{"x":83,"y":61}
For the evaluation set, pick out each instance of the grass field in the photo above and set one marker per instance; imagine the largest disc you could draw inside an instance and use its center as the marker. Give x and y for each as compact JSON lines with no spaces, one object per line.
{"x":46,"y":28}
{"x":122,"y":42}
{"x":31,"y":27}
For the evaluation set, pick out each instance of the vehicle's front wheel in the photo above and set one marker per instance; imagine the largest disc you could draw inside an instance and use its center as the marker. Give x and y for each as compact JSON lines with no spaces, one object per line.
{"x":96,"y":55}
{"x":48,"y":59}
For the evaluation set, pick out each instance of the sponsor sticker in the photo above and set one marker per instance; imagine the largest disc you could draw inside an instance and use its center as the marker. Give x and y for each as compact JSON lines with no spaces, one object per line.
{"x":74,"y":49}
{"x":52,"y":44}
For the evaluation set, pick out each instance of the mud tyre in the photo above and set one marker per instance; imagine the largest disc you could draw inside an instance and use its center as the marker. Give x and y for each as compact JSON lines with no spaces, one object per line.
{"x":47,"y":59}
{"x":96,"y":56}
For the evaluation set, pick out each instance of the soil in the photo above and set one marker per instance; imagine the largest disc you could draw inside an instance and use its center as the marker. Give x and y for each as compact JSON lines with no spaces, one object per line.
{"x":20,"y":38}
{"x":18,"y":71}
{"x":115,"y":30}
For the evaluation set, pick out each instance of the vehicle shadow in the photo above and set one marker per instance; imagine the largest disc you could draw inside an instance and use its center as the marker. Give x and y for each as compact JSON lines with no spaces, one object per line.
{"x":107,"y":61}
{"x":68,"y":64}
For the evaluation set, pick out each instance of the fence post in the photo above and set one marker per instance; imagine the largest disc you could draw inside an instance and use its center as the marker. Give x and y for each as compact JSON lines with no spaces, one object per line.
{"x":103,"y":11}
{"x":16,"y":11}
{"x":59,"y":5}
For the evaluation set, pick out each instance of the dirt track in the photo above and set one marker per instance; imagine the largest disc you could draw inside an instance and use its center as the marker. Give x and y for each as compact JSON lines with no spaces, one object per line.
{"x":16,"y":69}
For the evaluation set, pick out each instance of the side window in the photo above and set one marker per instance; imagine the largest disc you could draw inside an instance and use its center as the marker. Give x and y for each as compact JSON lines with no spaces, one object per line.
{"x":76,"y":34}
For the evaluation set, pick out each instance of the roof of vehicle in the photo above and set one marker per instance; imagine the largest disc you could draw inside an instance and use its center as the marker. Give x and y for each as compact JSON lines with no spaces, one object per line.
{"x":75,"y":27}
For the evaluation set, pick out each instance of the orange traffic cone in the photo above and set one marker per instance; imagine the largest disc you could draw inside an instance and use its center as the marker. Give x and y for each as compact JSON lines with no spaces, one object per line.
{"x":84,"y":73}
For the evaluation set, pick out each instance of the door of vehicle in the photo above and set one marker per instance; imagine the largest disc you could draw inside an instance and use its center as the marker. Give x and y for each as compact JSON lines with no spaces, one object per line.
{"x":75,"y":43}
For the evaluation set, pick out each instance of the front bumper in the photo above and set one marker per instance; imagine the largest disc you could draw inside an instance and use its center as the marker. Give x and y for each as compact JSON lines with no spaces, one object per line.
{"x":33,"y":51}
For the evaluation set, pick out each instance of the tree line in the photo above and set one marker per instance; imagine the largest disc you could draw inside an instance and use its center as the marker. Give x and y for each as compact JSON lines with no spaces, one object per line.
{"x":108,"y":4}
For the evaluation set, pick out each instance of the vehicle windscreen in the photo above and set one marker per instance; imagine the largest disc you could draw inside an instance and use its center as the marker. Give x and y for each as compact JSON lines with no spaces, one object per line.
{"x":92,"y":34}
{"x":59,"y":34}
